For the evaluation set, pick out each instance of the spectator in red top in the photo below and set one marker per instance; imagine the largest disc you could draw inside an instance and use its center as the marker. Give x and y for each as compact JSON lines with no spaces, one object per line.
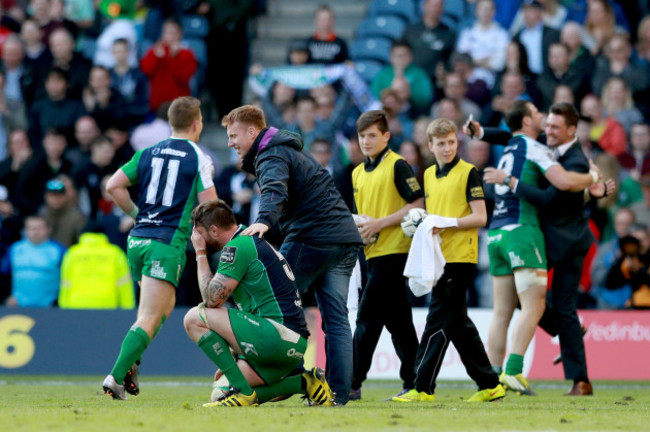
{"x":324,"y":46}
{"x":606,"y":131}
{"x":168,"y":66}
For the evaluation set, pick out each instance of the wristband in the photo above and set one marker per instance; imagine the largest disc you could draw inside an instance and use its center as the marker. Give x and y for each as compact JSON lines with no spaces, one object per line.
{"x":201,"y":256}
{"x":134,"y":212}
{"x":506,"y":181}
{"x":201,"y":253}
{"x":594,"y":176}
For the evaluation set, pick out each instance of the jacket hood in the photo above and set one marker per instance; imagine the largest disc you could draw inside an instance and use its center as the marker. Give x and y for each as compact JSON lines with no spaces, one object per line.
{"x":268,"y":138}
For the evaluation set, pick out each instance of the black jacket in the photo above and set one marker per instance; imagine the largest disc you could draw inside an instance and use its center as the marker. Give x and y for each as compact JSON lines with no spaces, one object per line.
{"x":297,"y":193}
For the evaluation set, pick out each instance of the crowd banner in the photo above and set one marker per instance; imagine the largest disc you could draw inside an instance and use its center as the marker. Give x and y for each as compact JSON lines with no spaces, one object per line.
{"x":86,"y":342}
{"x":313,"y":76}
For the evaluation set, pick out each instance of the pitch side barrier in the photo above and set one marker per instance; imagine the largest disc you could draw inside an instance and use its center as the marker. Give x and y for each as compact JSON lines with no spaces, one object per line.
{"x":85,"y":342}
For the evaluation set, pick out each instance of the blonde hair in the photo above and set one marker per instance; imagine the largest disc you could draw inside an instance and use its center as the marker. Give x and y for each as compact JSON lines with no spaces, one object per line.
{"x":439,"y":128}
{"x":183,"y":112}
{"x":248,"y":114}
{"x":606,"y":99}
{"x":610,"y":20}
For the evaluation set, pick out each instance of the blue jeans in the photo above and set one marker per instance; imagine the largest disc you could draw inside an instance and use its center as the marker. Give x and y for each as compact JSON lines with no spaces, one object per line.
{"x":335,"y":262}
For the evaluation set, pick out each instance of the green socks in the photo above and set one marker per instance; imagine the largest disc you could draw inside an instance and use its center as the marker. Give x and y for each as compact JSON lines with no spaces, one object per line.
{"x":133,"y":345}
{"x":286,"y":387}
{"x":218,"y":351}
{"x":515,"y":364}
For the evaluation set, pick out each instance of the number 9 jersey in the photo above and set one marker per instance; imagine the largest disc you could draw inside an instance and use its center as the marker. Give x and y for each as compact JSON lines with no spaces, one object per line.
{"x":169,"y":176}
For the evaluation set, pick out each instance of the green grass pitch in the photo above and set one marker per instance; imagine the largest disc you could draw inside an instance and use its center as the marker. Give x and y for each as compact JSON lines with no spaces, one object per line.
{"x":59,"y":403}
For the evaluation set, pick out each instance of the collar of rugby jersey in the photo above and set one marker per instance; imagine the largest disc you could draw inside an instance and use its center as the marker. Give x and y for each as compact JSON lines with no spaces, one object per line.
{"x":441,"y":172}
{"x":370,"y":165}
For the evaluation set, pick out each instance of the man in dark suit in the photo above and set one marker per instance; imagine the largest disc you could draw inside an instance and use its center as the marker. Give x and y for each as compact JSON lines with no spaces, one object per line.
{"x":568,"y":238}
{"x":535,"y":36}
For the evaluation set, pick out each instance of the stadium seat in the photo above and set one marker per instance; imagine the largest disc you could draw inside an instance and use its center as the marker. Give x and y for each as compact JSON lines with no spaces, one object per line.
{"x":368,"y":69}
{"x":387,"y":26}
{"x":405,"y":9}
{"x":200,"y":50}
{"x":377,"y":49}
{"x":195,"y":26}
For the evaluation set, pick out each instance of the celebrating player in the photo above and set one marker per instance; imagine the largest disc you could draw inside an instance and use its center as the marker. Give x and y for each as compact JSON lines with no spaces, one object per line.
{"x":170,"y":175}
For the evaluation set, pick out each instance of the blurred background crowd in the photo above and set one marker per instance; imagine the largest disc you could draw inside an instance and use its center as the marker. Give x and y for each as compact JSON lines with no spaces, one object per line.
{"x":86,"y":83}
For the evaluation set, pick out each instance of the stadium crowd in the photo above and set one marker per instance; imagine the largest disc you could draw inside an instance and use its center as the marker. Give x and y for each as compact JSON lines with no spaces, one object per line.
{"x":84,"y":84}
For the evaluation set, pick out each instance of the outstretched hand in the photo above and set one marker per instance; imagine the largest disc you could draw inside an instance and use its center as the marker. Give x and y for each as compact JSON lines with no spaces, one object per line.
{"x":602,"y":189}
{"x":494,"y":176}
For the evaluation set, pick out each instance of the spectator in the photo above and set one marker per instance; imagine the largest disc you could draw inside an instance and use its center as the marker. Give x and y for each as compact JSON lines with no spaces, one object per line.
{"x":554,"y":16}
{"x":77,"y":67}
{"x":456,"y":89}
{"x":81,"y":12}
{"x":400,"y":125}
{"x":121,"y":27}
{"x":617,"y":101}
{"x":321,"y":150}
{"x":402,"y":66}
{"x":636,"y":160}
{"x":85,"y":131}
{"x":571,"y":36}
{"x":148,"y":134}
{"x":642,"y":209}
{"x":228,"y":38}
{"x":107,"y":286}
{"x":450,"y":110}
{"x":63,"y":217}
{"x":616,"y":64}
{"x":599,"y":26}
{"x":168,"y":66}
{"x":431,"y":40}
{"x":38,"y":59}
{"x":559,"y":73}
{"x":517,"y":62}
{"x":34,"y":264}
{"x":344,"y":181}
{"x":486,"y":41}
{"x":45,"y":166}
{"x":605,"y":130}
{"x":535,"y":36}
{"x":642,"y":48}
{"x":56,"y":110}
{"x":421,"y":139}
{"x":12,"y":116}
{"x":478,"y":84}
{"x":118,"y":134}
{"x":325,"y":46}
{"x":412,"y":155}
{"x":130,"y":82}
{"x":42,"y":14}
{"x":512,"y":89}
{"x":8,"y":25}
{"x":18,"y":76}
{"x":88,"y":176}
{"x":105,"y":105}
{"x":563,"y":93}
{"x":298,"y":52}
{"x":57,"y":9}
{"x":631,"y":270}
{"x":276,"y":102}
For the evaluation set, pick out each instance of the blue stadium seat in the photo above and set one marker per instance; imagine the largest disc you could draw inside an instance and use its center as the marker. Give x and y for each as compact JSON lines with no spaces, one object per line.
{"x":200,"y":50}
{"x":377,"y":49}
{"x":195,"y":26}
{"x":405,"y":9}
{"x":368,"y":69}
{"x":388,"y":26}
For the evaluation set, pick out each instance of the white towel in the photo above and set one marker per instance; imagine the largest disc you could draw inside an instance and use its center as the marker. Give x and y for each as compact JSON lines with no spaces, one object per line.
{"x":354,"y":288}
{"x":425,"y":263}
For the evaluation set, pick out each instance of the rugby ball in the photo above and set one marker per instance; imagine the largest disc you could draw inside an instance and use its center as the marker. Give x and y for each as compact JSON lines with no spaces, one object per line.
{"x":411,"y":220}
{"x":220,"y":386}
{"x":357,"y":220}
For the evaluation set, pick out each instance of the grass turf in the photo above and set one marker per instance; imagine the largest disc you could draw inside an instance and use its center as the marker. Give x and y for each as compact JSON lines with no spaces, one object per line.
{"x":174,"y":404}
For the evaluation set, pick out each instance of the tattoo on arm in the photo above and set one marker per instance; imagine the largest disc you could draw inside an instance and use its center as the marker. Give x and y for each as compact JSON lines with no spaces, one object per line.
{"x":203,"y":284}
{"x":218,"y":291}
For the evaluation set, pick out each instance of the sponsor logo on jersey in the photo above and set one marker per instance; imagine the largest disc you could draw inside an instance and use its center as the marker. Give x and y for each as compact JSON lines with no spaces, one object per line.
{"x":249,"y":348}
{"x":515,"y":260}
{"x":413,"y":184}
{"x":172,"y":152}
{"x":500,"y":208}
{"x":228,"y":255}
{"x":294,"y":354}
{"x":157,"y":271}
{"x":133,"y":243}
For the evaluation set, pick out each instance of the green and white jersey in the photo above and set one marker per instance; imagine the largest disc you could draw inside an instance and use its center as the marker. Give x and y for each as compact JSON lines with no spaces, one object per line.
{"x":169,"y":176}
{"x":266,"y":284}
{"x":527,"y":160}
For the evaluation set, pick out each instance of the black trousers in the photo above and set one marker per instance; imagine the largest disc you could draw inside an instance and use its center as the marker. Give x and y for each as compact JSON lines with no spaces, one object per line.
{"x":564,"y":302}
{"x":383,"y":302}
{"x":447,"y":322}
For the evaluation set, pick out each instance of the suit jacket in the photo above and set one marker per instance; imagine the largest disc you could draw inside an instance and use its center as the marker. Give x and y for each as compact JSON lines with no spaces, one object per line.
{"x":549,"y":37}
{"x":562,"y":214}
